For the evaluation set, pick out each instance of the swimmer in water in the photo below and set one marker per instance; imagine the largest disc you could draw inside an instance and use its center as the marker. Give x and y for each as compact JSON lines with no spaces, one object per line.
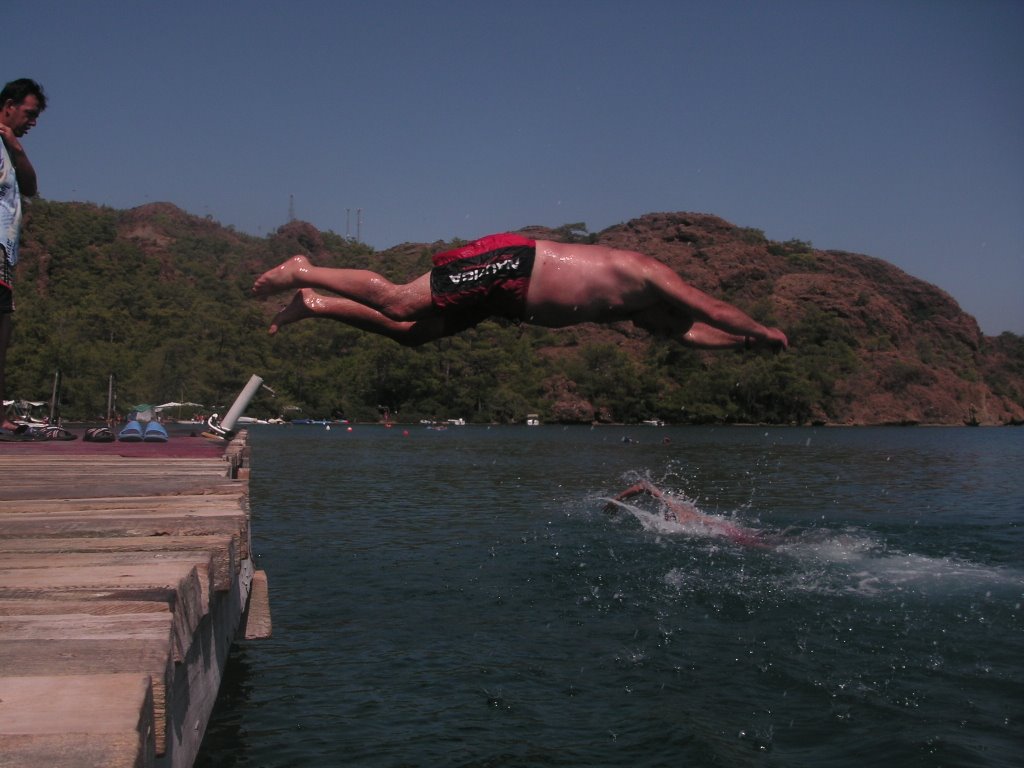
{"x":683,"y":512}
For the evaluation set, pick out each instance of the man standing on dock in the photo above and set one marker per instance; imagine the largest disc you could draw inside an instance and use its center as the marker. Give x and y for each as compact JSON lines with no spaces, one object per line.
{"x":21,"y":103}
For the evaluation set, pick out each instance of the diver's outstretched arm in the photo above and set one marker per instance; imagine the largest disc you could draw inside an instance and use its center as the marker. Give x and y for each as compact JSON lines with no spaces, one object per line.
{"x":704,"y":336}
{"x":639,"y":489}
{"x":680,"y":511}
{"x":643,"y":488}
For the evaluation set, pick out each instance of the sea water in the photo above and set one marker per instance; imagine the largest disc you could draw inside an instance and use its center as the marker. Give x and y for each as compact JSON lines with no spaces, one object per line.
{"x":466,"y":598}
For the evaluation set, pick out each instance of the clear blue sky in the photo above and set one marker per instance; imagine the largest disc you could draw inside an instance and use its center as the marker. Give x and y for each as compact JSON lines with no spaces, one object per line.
{"x":893,"y":128}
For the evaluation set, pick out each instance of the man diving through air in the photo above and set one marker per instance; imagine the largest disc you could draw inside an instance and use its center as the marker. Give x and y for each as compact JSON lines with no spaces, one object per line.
{"x":540,"y":282}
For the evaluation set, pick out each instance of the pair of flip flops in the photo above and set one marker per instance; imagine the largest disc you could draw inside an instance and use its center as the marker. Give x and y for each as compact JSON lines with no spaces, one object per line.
{"x":99,"y":435}
{"x":58,"y":433}
{"x":27,"y":433}
{"x":23,"y":433}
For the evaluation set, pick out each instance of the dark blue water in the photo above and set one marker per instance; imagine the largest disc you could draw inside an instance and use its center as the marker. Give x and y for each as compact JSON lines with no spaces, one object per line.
{"x":461,"y":598}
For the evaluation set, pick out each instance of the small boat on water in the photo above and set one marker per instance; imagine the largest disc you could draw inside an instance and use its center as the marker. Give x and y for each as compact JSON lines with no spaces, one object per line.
{"x":154,"y":432}
{"x":131,"y":432}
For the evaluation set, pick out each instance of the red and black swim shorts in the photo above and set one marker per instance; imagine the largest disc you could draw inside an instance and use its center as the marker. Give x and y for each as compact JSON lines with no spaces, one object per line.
{"x":489,"y":276}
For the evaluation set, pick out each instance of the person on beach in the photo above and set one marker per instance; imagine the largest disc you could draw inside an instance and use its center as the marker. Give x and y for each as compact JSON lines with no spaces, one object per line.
{"x":540,"y":282}
{"x":21,"y":103}
{"x":683,"y":512}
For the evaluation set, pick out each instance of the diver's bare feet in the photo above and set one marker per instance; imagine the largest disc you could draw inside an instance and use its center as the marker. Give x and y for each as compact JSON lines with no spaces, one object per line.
{"x":299,"y":308}
{"x":290,"y":273}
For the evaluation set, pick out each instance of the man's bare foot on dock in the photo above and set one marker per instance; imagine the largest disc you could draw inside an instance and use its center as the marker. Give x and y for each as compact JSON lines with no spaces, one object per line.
{"x":288,"y":274}
{"x":299,"y":308}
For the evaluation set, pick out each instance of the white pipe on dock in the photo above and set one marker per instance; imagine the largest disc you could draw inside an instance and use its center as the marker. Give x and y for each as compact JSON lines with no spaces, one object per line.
{"x":241,"y":403}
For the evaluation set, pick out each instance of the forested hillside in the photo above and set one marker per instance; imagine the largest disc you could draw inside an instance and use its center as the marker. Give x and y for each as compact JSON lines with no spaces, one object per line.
{"x":160,"y":299}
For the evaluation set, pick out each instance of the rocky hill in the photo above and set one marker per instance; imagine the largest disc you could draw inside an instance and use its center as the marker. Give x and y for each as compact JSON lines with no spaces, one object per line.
{"x":160,"y":297}
{"x":919,"y":357}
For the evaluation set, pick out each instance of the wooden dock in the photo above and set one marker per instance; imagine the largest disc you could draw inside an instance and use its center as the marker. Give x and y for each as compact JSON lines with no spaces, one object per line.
{"x":125,"y":575}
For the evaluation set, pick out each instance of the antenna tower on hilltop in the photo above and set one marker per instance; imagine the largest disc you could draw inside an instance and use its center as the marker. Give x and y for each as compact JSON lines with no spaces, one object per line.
{"x":359,"y":224}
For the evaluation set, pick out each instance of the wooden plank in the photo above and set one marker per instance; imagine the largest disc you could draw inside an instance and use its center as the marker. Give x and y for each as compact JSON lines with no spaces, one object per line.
{"x":185,"y":587}
{"x":77,"y":656}
{"x":216,"y":553}
{"x":158,"y":525}
{"x":36,"y":488}
{"x":123,"y":581}
{"x":71,"y":703}
{"x":73,"y":720}
{"x":223,"y":550}
{"x":42,"y":476}
{"x":86,"y":626}
{"x":114,"y":544}
{"x":72,"y":751}
{"x":257,"y":621}
{"x":106,"y":578}
{"x":227,"y":497}
{"x":92,"y":607}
